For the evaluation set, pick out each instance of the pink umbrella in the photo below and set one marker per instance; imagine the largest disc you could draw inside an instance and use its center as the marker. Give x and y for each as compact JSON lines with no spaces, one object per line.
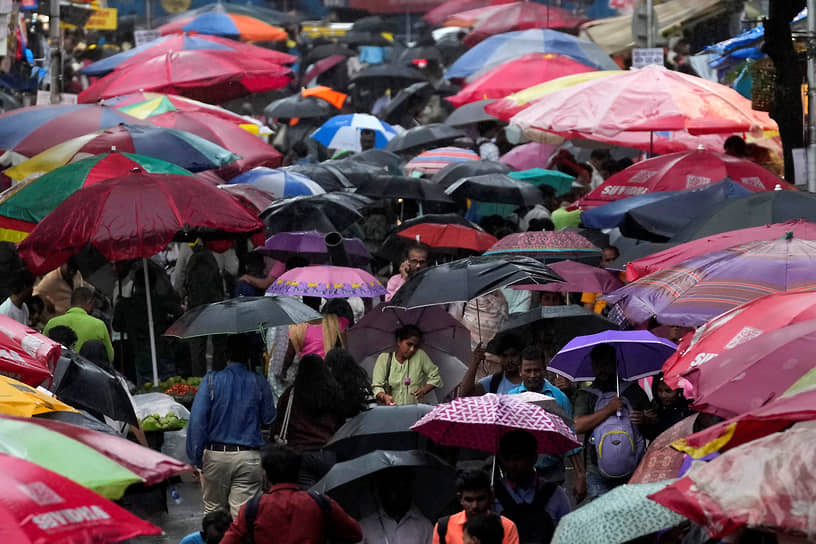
{"x":327,"y":282}
{"x":321,"y":66}
{"x":527,"y":156}
{"x":517,"y":16}
{"x":580,"y":278}
{"x":550,"y":245}
{"x":480,"y":422}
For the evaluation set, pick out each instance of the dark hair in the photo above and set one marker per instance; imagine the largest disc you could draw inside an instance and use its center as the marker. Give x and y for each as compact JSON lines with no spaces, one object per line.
{"x":316,"y":390}
{"x":493,"y":346}
{"x":280,"y":463}
{"x":355,"y":387}
{"x":509,"y":340}
{"x":415,"y":246}
{"x":472,"y":480}
{"x":368,"y":131}
{"x":63,"y":334}
{"x":82,"y":296}
{"x":613,"y":248}
{"x":35,"y":303}
{"x":540,"y":224}
{"x":603,"y":353}
{"x":533,"y":353}
{"x":94,"y":351}
{"x":238,"y":348}
{"x":518,"y":442}
{"x":219,"y":519}
{"x":487,"y":528}
{"x":735,"y":142}
{"x":339,"y":307}
{"x":23,"y":280}
{"x":408,"y":331}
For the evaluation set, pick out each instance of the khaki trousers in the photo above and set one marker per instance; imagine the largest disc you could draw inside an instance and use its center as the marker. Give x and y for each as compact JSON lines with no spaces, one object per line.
{"x":230,"y":478}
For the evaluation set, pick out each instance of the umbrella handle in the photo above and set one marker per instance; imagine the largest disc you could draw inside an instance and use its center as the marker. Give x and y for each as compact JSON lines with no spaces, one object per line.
{"x":478,"y":320}
{"x":617,"y":388}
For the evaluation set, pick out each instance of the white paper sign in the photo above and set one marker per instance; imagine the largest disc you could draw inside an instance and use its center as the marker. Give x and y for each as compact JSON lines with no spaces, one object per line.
{"x":142,"y":37}
{"x":644,"y":57}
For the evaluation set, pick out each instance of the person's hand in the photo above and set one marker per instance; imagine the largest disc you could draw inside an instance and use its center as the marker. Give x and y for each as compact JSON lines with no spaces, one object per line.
{"x":650,"y":415}
{"x":422,"y":391}
{"x":637,"y":417}
{"x":405,"y":269}
{"x":478,"y":354}
{"x":615,"y":405}
{"x":579,"y":487}
{"x":388,"y":400}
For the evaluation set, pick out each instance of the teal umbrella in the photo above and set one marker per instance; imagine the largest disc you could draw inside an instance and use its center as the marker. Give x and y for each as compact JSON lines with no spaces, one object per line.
{"x":623,"y":514}
{"x":559,"y":181}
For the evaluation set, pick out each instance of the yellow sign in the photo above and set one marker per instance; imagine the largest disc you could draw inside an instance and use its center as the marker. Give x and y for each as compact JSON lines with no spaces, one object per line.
{"x":176,"y":6}
{"x":102,"y":19}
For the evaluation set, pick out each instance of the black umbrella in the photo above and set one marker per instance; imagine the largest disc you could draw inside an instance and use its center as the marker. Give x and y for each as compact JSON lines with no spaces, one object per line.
{"x":462,"y":280}
{"x":372,"y":23}
{"x":471,"y":113}
{"x":382,"y":427}
{"x":394,"y":246}
{"x":327,"y":50}
{"x":458,"y":170}
{"x":80,"y":419}
{"x":340,"y":174}
{"x":398,"y":73}
{"x":412,"y":98}
{"x":428,"y":53}
{"x":422,"y":190}
{"x":354,"y":37}
{"x":552,"y":327}
{"x":241,"y":315}
{"x":331,"y":212}
{"x":381,"y":158}
{"x":303,"y":107}
{"x":350,"y":483}
{"x":424,"y":136}
{"x":496,"y":188}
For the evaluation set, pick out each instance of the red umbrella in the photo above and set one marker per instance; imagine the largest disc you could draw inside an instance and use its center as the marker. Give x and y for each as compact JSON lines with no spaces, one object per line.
{"x":736,"y":327}
{"x":580,"y":278}
{"x":681,"y":171}
{"x":443,"y":12}
{"x":516,"y":75}
{"x":662,"y":461}
{"x":252,"y":198}
{"x":203,"y":74}
{"x":39,"y":506}
{"x":517,"y":16}
{"x":25,"y":354}
{"x":452,"y":236}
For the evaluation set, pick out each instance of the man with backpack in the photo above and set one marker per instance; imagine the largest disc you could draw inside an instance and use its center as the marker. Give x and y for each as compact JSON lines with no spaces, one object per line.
{"x":285,"y":514}
{"x":611,"y":425}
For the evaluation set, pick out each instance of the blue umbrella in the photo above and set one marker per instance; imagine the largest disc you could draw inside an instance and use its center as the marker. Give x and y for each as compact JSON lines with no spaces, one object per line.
{"x":501,"y":48}
{"x":279,"y":182}
{"x":342,"y":132}
{"x":611,"y":215}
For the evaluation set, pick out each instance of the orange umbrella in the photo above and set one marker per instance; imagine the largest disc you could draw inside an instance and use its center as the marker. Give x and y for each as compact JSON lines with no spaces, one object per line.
{"x":335,"y":98}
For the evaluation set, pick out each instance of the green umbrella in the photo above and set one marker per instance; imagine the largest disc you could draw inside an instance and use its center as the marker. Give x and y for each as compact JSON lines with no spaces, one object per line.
{"x":623,"y":514}
{"x":559,"y":181}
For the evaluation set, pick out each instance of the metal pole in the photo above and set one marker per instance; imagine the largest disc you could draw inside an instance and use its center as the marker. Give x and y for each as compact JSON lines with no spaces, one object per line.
{"x":148,"y":14}
{"x":56,"y":51}
{"x":150,"y":323}
{"x":650,"y":38}
{"x":811,"y":77}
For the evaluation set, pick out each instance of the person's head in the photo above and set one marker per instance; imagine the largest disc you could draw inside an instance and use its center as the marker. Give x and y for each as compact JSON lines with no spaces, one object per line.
{"x":23,"y":285}
{"x":604,"y":363}
{"x":550,"y":298}
{"x":665,"y":395}
{"x":68,"y":269}
{"x":281,"y":464}
{"x":237,"y":348}
{"x":315,"y":389}
{"x":94,"y":351}
{"x":734,"y":146}
{"x":64,"y":335}
{"x":532,"y":368}
{"x":540,"y":224}
{"x":473,"y":492}
{"x":599,"y":156}
{"x":36,"y":307}
{"x":484,"y":529}
{"x":254,"y":263}
{"x":510,"y":346}
{"x":409,"y":338}
{"x":417,"y":257}
{"x":518,"y":451}
{"x":214,"y":525}
{"x":608,"y":255}
{"x":368,"y":139}
{"x":339,"y":361}
{"x":395,"y":490}
{"x":492,"y":353}
{"x":339,"y":307}
{"x":83,"y":297}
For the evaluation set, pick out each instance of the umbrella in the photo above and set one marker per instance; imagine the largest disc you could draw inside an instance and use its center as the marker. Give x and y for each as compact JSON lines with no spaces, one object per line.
{"x":255,"y":200}
{"x":529,"y":155}
{"x":621,"y":515}
{"x":328,"y":282}
{"x":240,"y":315}
{"x":517,"y":74}
{"x":471,"y":113}
{"x":464,"y":279}
{"x":429,"y":53}
{"x":518,"y":16}
{"x":662,"y":461}
{"x":350,"y":482}
{"x":639,"y":354}
{"x":394,"y":246}
{"x":579,"y":278}
{"x":279,"y":183}
{"x":445,"y":10}
{"x":391,"y":187}
{"x":332,"y":212}
{"x":399,"y":74}
{"x":340,"y":174}
{"x":28,"y":131}
{"x":495,"y":188}
{"x":501,"y":48}
{"x":480,"y":422}
{"x":301,"y":107}
{"x":343,"y":131}
{"x":680,"y":171}
{"x":326,"y":50}
{"x":434,"y":160}
{"x":203,"y":74}
{"x":559,"y":181}
{"x":373,"y":23}
{"x":18,"y":399}
{"x":546,"y":402}
{"x":382,"y":427}
{"x":412,"y":98}
{"x":27,"y":355}
{"x":35,"y":499}
{"x":78,"y":419}
{"x":457,"y":171}
{"x":700,"y":288}
{"x":356,"y":38}
{"x":182,"y":42}
{"x":321,"y":67}
{"x":311,"y":245}
{"x":554,"y":326}
{"x":611,"y":215}
{"x":550,"y":246}
{"x":423,"y":136}
{"x":248,"y":26}
{"x":391,"y":162}
{"x":449,"y":236}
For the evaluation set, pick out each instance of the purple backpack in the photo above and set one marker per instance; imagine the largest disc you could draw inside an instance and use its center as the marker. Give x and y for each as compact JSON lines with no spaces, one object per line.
{"x":617,"y":441}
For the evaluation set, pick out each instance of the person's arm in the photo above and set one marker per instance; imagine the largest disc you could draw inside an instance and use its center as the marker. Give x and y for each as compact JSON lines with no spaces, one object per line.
{"x":640,"y":415}
{"x":586,"y":418}
{"x":198,"y":423}
{"x":342,"y":527}
{"x":104,"y":336}
{"x":268,"y":411}
{"x":379,"y":379}
{"x":468,"y":385}
{"x":433,"y":379}
{"x":510,"y":534}
{"x":579,"y":487}
{"x":435,"y":534}
{"x":259,"y":283}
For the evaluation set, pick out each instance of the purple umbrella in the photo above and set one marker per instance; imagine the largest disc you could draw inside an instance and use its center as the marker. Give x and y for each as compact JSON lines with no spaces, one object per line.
{"x":311,"y":245}
{"x":327,"y":282}
{"x":700,"y":288}
{"x":579,"y":278}
{"x":639,"y":353}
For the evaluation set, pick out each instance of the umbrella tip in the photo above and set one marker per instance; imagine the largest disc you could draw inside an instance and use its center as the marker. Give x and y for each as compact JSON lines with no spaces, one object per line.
{"x":136,"y":170}
{"x":113,"y":148}
{"x":778,"y":187}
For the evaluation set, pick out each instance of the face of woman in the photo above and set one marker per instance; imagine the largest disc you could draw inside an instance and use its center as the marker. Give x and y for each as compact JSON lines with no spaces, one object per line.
{"x":666,"y":395}
{"x":407,"y":347}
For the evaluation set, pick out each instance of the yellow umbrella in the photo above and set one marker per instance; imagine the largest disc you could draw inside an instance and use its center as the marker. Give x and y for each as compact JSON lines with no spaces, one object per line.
{"x":18,"y":399}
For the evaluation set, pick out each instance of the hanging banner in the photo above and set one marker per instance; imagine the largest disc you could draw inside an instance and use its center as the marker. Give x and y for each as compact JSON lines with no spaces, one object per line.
{"x":102,"y":19}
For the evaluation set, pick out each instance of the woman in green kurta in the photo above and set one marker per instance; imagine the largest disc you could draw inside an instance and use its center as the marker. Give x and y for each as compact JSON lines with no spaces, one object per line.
{"x":407,"y":374}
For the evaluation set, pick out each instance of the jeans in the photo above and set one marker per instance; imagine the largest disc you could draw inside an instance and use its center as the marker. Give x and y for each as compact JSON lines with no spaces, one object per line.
{"x":597,"y":484}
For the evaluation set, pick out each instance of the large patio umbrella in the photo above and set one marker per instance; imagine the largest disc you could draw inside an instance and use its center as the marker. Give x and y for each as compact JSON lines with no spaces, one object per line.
{"x":493,"y":20}
{"x":29,"y":355}
{"x":444,"y":11}
{"x":247,"y":23}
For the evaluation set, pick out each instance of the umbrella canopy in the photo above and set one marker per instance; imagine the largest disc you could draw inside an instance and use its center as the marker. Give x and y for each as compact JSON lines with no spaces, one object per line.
{"x":412,"y":98}
{"x":279,"y":183}
{"x":341,"y":174}
{"x":661,"y":461}
{"x":423,"y":136}
{"x":680,"y":171}
{"x":449,"y":236}
{"x":549,"y":246}
{"x":444,"y":11}
{"x":382,"y":427}
{"x":555,"y":326}
{"x":246,"y":26}
{"x":464,"y":279}
{"x":343,"y":131}
{"x":240,"y":315}
{"x":27,"y":354}
{"x":300,"y":107}
{"x":454,"y":172}
{"x":518,"y":74}
{"x":34,"y":499}
{"x":204,"y":74}
{"x":529,"y":155}
{"x":183,"y":42}
{"x":694,"y":291}
{"x":253,"y":199}
{"x":579,"y":278}
{"x":394,"y":246}
{"x":480,"y":422}
{"x":392,"y":187}
{"x":352,"y":485}
{"x":621,"y":515}
{"x":311,"y":245}
{"x":328,"y":282}
{"x":495,"y":188}
{"x":18,"y":399}
{"x":501,"y":48}
{"x":473,"y":112}
{"x":391,"y":162}
{"x":134,"y":216}
{"x":326,"y":50}
{"x":332,"y":212}
{"x":639,"y":354}
{"x":321,"y":67}
{"x":356,"y":38}
{"x":559,"y":181}
{"x":399,"y":74}
{"x":516,"y":16}
{"x":434,"y":160}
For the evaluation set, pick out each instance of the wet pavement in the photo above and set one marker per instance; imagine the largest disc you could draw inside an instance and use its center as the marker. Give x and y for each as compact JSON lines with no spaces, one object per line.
{"x":181,"y":518}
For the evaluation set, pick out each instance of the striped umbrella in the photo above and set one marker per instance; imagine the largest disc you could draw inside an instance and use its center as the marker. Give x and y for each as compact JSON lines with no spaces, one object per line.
{"x":279,"y":183}
{"x":343,"y":131}
{"x":434,"y":160}
{"x":224,"y":20}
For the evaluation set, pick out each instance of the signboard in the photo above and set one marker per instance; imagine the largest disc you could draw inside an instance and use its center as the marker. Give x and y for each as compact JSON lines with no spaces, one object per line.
{"x":102,"y":19}
{"x":44,"y":97}
{"x":644,"y":57}
{"x":141,"y":37}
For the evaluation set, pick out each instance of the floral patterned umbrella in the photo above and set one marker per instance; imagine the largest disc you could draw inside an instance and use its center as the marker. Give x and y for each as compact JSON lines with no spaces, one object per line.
{"x":550,"y":246}
{"x":327,"y":282}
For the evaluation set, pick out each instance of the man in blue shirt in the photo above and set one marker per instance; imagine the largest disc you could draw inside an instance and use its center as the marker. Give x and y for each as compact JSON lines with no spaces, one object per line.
{"x":224,"y":432}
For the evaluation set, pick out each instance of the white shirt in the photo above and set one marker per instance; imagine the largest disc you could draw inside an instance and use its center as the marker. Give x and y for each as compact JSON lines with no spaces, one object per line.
{"x":9,"y":309}
{"x":413,"y":528}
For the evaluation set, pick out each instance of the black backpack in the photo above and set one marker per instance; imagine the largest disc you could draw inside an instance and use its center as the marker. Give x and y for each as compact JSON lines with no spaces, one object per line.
{"x":534,"y":524}
{"x":202,"y":278}
{"x":495,"y":382}
{"x":251,"y":513}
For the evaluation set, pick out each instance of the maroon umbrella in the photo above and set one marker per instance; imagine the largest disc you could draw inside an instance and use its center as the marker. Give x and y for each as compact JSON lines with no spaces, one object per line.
{"x":580,"y":278}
